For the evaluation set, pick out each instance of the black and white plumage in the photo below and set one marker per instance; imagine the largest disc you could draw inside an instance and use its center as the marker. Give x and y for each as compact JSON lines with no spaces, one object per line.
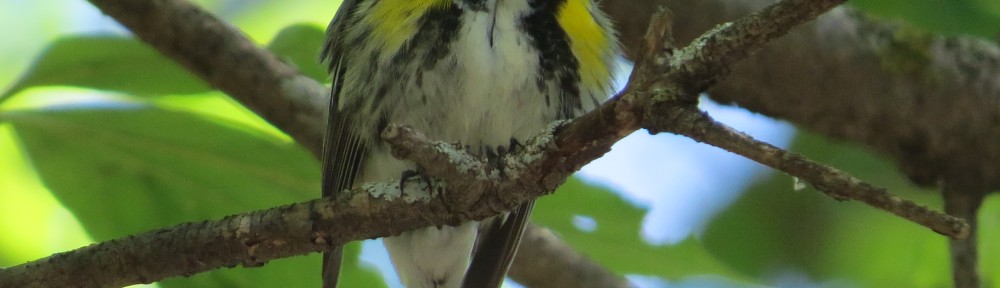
{"x":478,"y":72}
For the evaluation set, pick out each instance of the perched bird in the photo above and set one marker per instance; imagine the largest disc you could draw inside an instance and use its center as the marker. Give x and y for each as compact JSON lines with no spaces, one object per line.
{"x":483,"y":73}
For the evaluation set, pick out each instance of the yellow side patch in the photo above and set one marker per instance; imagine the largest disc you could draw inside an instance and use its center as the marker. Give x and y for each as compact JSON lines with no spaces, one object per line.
{"x":395,"y":21}
{"x":589,"y":43}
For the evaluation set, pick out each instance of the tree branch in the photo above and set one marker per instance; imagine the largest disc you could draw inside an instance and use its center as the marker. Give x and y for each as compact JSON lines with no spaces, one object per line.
{"x":832,"y":182}
{"x":312,"y":226}
{"x":700,"y":64}
{"x":250,"y":239}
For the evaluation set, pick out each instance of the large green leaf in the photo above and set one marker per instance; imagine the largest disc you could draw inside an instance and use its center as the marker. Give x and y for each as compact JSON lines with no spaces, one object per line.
{"x":166,"y":166}
{"x":616,"y":240}
{"x":869,"y":245}
{"x":128,"y":169}
{"x":31,"y":224}
{"x":769,"y":229}
{"x":299,"y":45}
{"x":267,"y":18}
{"x":121,"y":64}
{"x":110,"y":63}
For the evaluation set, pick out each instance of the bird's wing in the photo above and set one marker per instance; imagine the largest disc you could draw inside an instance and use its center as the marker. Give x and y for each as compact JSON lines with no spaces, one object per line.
{"x":496,"y":250}
{"x":342,"y":152}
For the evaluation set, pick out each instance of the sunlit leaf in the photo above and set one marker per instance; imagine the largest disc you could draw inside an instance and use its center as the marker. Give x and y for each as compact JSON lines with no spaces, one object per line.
{"x":109,"y":63}
{"x":121,"y":64}
{"x":169,"y":167}
{"x":280,"y":14}
{"x":32,"y":223}
{"x":124,"y":169}
{"x":299,"y":45}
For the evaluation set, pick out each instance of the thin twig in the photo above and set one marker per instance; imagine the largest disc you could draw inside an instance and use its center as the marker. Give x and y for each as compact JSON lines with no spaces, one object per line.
{"x":834,"y":183}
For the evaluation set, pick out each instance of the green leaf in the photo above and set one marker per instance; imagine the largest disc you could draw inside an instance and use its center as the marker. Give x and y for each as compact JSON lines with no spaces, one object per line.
{"x":989,"y":253}
{"x":771,"y":228}
{"x":107,"y":63}
{"x":128,"y":169}
{"x":972,"y":17}
{"x":32,"y":223}
{"x":353,"y":273}
{"x":299,"y":45}
{"x":616,"y":241}
{"x":169,"y":167}
{"x":125,"y":65}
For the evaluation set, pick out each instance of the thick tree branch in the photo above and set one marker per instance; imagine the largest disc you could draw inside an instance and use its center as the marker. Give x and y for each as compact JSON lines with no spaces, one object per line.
{"x":927,"y":102}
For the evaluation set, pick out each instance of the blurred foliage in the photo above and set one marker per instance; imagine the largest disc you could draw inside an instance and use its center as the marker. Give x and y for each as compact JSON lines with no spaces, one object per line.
{"x":952,"y":17}
{"x":124,"y":162}
{"x":101,"y":62}
{"x":164,"y":167}
{"x":618,"y":224}
{"x":289,"y":42}
{"x":773,"y":230}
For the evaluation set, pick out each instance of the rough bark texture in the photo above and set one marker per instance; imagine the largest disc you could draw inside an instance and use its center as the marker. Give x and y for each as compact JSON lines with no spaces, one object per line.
{"x":927,"y":102}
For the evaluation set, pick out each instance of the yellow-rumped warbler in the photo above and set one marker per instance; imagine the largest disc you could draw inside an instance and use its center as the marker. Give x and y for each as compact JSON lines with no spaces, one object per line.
{"x":480,"y":72}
